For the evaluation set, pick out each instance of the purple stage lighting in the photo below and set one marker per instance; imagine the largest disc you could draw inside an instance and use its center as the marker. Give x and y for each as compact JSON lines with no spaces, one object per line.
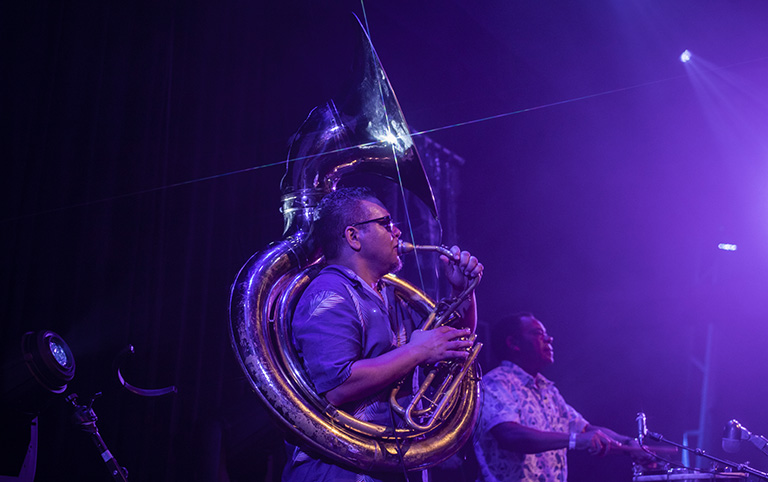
{"x":685,"y":56}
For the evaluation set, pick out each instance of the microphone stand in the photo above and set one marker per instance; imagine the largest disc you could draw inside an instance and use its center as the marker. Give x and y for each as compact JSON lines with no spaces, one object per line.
{"x":740,"y":467}
{"x":760,"y":442}
{"x":86,"y":418}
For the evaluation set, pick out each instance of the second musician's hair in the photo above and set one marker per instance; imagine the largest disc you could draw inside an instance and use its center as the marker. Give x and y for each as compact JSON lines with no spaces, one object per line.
{"x":511,"y":325}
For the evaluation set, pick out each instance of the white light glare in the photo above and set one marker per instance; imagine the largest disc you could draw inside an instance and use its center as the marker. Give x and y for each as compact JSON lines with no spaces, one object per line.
{"x":726,"y":247}
{"x":685,"y":56}
{"x":388,"y":137}
{"x":58,"y":352}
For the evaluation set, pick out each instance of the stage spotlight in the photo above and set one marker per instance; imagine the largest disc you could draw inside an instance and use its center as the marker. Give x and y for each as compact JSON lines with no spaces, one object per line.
{"x":727,"y":247}
{"x":40,"y":369}
{"x":32,"y":374}
{"x":685,"y":56}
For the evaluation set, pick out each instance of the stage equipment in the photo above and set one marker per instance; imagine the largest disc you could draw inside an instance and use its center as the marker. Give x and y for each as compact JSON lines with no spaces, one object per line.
{"x":642,"y":428}
{"x":689,"y":475}
{"x":735,"y":433}
{"x":34,"y":372}
{"x":38,"y":372}
{"x":334,"y":147}
{"x":742,"y":470}
{"x":143,"y":392}
{"x":86,"y":418}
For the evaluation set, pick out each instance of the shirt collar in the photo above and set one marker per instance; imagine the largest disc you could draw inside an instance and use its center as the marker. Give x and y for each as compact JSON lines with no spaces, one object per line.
{"x":357,"y":281}
{"x":539,"y":380}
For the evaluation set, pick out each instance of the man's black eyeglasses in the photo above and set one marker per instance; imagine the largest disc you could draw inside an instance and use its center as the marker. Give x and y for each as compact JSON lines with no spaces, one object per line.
{"x":385,"y":222}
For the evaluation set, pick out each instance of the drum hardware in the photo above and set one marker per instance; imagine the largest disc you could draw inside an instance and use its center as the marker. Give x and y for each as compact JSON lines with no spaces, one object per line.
{"x":687,"y":475}
{"x":742,"y":470}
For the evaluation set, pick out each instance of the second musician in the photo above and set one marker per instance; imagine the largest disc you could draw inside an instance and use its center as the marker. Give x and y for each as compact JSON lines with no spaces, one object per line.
{"x":526,"y":426}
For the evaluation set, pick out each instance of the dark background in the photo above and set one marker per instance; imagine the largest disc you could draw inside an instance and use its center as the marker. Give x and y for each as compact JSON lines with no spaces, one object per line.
{"x":142,"y":148}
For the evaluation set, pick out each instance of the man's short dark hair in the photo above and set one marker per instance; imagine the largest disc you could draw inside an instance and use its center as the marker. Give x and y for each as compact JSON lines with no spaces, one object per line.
{"x":511,"y":325}
{"x":335,"y":212}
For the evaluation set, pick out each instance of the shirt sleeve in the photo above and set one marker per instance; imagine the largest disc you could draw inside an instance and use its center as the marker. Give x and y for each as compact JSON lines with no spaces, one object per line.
{"x":501,"y":402}
{"x":576,"y":422}
{"x":327,"y":333}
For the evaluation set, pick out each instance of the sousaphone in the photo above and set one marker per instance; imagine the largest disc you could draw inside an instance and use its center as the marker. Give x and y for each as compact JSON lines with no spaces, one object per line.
{"x":368,"y":137}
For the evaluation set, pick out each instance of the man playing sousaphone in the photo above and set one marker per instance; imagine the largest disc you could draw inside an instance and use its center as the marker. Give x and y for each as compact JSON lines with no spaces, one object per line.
{"x":355,"y":338}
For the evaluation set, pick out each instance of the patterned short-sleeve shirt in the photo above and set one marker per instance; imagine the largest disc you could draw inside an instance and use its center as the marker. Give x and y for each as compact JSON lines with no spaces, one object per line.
{"x":510,"y":394}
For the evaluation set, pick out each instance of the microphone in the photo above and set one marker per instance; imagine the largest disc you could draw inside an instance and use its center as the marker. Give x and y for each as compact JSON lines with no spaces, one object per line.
{"x":733,"y":435}
{"x":642,"y":429}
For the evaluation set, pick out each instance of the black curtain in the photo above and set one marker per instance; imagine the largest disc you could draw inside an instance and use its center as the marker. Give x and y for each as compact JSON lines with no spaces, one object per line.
{"x":143,"y":162}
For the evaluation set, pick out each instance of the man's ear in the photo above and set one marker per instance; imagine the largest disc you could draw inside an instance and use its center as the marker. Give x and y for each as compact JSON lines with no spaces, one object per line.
{"x":351,"y":235}
{"x":510,"y":343}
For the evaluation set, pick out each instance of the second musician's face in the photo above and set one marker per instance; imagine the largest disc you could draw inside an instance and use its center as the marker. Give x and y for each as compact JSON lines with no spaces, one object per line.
{"x":536,"y":345}
{"x":379,"y":244}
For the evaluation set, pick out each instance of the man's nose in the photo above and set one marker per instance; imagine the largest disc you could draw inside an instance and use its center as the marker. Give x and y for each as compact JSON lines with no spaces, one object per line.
{"x":396,"y":232}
